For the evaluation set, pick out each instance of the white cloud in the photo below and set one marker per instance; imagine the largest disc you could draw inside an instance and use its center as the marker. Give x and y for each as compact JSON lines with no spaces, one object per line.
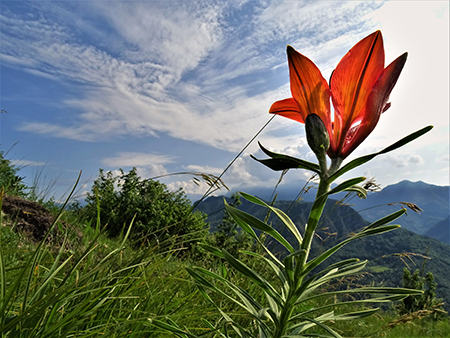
{"x":416,"y":159}
{"x":444,"y":158}
{"x":132,"y":159}
{"x":152,"y":171}
{"x":204,"y":169}
{"x":140,"y":84}
{"x":399,"y":160}
{"x":207,"y":72}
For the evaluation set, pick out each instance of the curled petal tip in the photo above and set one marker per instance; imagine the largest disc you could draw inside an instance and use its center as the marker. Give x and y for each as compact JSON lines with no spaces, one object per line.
{"x":403,"y":57}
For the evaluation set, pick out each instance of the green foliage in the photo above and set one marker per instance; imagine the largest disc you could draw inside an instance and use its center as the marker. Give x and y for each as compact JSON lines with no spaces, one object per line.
{"x":100,"y":290}
{"x":282,"y":311}
{"x":228,"y":236}
{"x":425,"y":301}
{"x":104,"y":288}
{"x":10,"y":182}
{"x":279,"y":301}
{"x":159,"y":215}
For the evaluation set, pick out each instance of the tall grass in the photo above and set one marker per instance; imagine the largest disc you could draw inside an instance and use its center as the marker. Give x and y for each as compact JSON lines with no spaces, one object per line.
{"x":102,"y":287}
{"x":98,"y":289}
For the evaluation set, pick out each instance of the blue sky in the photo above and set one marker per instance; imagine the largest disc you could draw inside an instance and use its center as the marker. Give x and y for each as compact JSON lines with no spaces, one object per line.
{"x":174,"y":86}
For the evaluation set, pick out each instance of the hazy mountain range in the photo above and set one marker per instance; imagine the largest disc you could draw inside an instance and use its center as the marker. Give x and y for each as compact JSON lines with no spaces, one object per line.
{"x":388,"y":254}
{"x":433,"y":200}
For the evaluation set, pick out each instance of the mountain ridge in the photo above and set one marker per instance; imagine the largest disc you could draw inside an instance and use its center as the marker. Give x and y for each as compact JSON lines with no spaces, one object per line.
{"x":388,"y":253}
{"x":434,"y":200}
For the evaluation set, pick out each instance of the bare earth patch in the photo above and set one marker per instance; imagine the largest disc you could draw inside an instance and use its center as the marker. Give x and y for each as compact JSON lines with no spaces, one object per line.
{"x":33,"y":220}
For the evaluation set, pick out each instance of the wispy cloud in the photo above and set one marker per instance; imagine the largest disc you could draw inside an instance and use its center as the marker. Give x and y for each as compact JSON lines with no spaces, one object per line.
{"x":207,"y":72}
{"x":132,"y":159}
{"x":171,"y":69}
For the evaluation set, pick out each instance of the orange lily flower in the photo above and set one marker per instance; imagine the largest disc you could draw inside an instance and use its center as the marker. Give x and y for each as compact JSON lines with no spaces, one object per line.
{"x":359,"y":88}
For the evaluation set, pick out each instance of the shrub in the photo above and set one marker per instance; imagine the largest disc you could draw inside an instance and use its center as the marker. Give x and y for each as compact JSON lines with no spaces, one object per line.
{"x":425,"y":301}
{"x":160,"y":216}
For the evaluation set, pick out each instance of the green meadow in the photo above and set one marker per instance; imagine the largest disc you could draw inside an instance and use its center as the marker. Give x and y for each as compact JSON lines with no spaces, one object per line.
{"x":85,"y":278}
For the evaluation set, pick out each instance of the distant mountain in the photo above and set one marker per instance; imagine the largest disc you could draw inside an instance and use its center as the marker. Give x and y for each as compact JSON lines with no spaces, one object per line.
{"x":440,"y":231}
{"x":388,"y":254}
{"x":432,"y":199}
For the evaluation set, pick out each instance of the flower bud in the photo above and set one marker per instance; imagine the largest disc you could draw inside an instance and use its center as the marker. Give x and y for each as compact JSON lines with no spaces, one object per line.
{"x":317,"y":134}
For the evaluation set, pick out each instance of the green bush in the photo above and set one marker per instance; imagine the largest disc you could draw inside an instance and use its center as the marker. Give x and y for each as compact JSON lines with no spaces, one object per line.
{"x":160,"y":216}
{"x":425,"y":301}
{"x":10,"y":182}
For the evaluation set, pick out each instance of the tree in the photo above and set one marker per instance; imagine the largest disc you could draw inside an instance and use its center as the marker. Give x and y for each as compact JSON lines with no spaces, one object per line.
{"x":10,"y":182}
{"x":160,"y":216}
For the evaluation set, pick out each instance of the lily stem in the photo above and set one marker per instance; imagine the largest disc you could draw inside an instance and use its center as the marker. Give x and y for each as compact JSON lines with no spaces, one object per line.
{"x":313,"y":220}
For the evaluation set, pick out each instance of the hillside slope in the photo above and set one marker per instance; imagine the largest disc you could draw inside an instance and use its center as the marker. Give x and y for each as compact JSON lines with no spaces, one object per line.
{"x":432,"y":199}
{"x":440,"y":231}
{"x":388,"y":254}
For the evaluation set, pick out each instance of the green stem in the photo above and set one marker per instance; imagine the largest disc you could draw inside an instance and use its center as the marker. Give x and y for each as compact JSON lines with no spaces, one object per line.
{"x":285,"y":315}
{"x":335,"y":165}
{"x":314,"y":216}
{"x":313,"y":220}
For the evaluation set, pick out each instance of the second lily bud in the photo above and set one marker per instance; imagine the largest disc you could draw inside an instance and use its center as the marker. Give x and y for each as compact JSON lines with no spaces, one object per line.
{"x":317,"y":135}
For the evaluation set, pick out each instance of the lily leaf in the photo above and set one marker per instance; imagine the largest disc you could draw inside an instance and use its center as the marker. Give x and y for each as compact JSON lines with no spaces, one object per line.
{"x":346,"y":185}
{"x":360,"y":191}
{"x":283,"y":162}
{"x":366,"y":232}
{"x":216,"y":252}
{"x":363,"y":159}
{"x":319,"y":322}
{"x":246,"y":271}
{"x":280,"y":213}
{"x":248,"y":303}
{"x":387,"y":219}
{"x":242,"y":217}
{"x":277,"y":267}
{"x":382,"y":299}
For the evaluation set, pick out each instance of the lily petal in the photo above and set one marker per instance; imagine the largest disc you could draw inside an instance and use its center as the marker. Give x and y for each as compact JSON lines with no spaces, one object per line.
{"x":376,"y":104}
{"x":309,"y":89}
{"x":352,"y":82}
{"x":287,"y":108}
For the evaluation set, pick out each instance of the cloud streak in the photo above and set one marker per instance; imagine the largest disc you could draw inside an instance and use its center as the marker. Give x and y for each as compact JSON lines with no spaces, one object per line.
{"x":207,"y":72}
{"x":171,"y":69}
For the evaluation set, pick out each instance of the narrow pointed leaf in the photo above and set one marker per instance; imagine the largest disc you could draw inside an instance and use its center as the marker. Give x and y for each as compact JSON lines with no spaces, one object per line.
{"x":323,"y":326}
{"x":360,"y":191}
{"x":406,"y":140}
{"x":288,"y":162}
{"x":216,"y":252}
{"x":361,"y":160}
{"x":356,"y":315}
{"x":247,"y":302}
{"x":387,"y":219}
{"x":246,"y":271}
{"x":345,"y":185}
{"x":383,"y":299}
{"x":367,"y":232}
{"x":254,"y":222}
{"x":280,"y":213}
{"x":370,"y":290}
{"x":276,"y":267}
